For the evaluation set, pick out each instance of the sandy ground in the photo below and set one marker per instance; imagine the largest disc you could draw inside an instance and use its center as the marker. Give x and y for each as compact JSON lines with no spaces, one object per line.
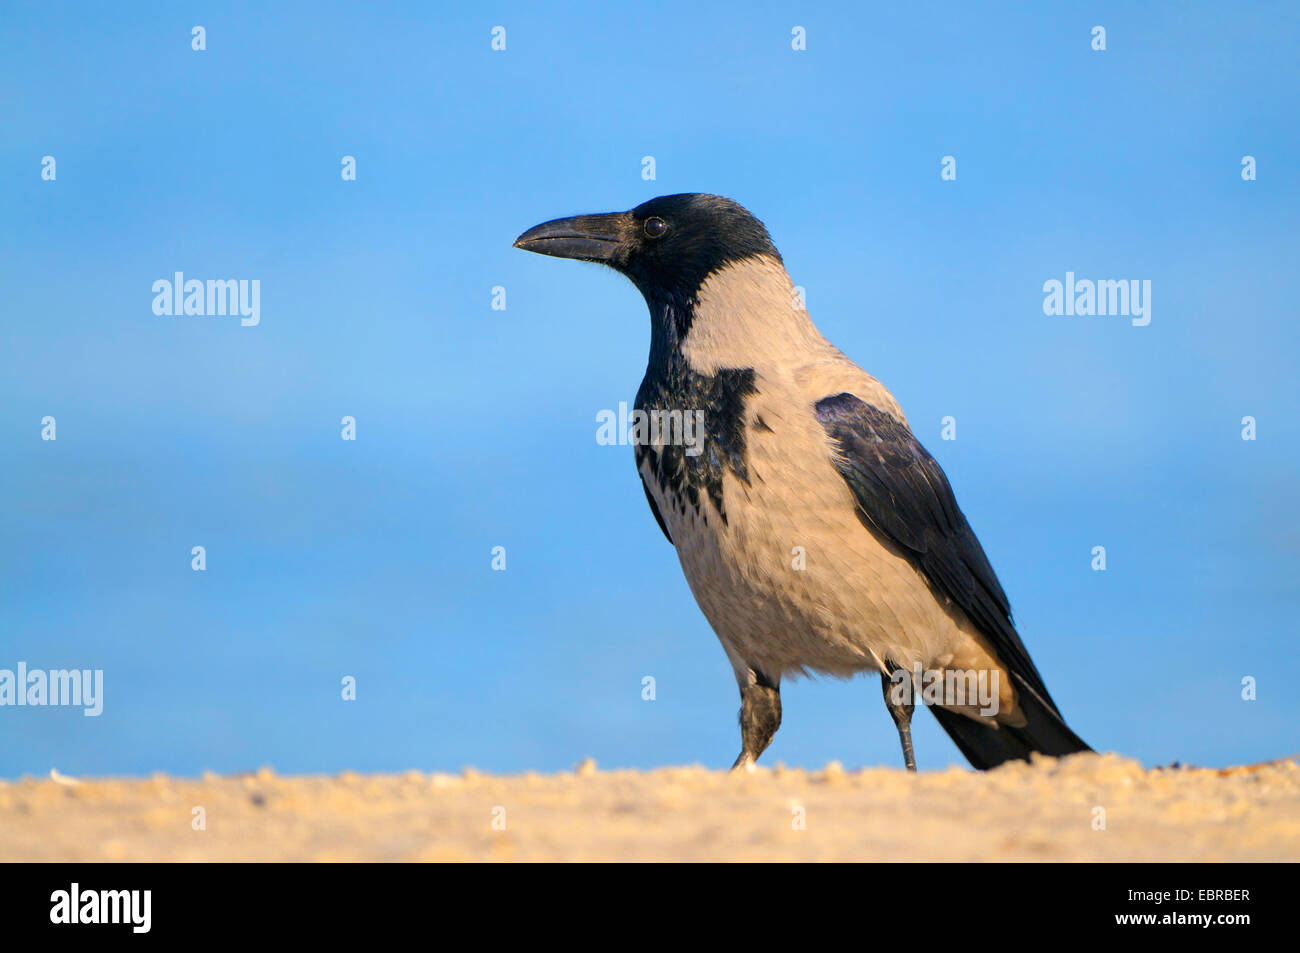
{"x":1045,"y":811}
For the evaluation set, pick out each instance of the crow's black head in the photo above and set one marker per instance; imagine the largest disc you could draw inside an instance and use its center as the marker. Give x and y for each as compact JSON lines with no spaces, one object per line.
{"x":666,"y":246}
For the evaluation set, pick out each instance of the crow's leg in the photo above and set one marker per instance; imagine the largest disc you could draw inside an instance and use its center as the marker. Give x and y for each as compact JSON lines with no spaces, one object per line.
{"x":760,"y":716}
{"x":899,"y":700}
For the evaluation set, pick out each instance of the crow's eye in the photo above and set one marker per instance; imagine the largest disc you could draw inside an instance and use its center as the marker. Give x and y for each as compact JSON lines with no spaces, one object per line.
{"x":655,"y":227}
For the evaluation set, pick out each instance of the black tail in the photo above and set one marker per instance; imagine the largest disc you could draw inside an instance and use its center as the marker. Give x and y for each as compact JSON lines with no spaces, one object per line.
{"x":1044,"y":731}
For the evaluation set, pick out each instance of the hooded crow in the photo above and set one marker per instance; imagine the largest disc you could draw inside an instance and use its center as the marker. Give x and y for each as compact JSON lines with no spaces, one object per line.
{"x":814,"y":530}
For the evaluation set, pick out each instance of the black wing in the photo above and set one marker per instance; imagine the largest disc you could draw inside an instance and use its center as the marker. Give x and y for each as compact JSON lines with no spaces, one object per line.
{"x":654,"y":508}
{"x":904,"y":497}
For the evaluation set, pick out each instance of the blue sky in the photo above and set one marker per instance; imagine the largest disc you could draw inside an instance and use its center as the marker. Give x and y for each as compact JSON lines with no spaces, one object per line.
{"x":476,"y":428}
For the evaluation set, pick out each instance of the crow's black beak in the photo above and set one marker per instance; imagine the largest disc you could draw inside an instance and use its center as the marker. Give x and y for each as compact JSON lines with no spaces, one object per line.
{"x":584,"y":237}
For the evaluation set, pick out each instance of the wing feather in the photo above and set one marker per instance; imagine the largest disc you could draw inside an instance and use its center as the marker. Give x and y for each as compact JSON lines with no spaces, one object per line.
{"x":904,"y":497}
